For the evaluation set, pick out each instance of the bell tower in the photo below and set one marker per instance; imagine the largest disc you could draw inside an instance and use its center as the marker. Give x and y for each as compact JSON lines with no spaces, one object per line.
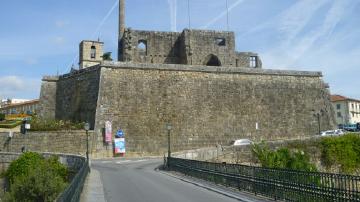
{"x":121,"y":28}
{"x":90,"y":53}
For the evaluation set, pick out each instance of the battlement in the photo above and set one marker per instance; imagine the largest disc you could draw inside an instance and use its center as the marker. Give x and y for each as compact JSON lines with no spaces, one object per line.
{"x":207,"y":69}
{"x":50,"y":78}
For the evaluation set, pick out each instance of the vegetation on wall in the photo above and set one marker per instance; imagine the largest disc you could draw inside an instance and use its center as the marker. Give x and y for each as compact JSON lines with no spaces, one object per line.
{"x":9,"y":124}
{"x":38,"y":124}
{"x":34,"y":178}
{"x":336,"y":154}
{"x":343,"y":151}
{"x":107,"y":56}
{"x":282,"y":158}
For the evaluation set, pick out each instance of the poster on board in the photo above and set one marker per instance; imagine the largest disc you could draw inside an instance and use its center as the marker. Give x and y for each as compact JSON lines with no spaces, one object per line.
{"x":108,"y":132}
{"x":119,"y":145}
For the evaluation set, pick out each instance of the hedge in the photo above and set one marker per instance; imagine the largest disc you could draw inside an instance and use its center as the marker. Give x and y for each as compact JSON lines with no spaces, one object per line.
{"x":9,"y":124}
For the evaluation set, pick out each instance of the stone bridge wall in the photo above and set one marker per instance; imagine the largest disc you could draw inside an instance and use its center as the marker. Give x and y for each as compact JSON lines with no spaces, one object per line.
{"x":74,"y":162}
{"x":69,"y":142}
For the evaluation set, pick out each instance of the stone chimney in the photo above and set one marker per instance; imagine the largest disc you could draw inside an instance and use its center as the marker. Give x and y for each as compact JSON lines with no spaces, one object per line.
{"x":121,"y":27}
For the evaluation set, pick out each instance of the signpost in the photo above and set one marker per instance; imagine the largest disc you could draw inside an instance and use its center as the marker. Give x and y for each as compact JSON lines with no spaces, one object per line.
{"x":119,"y":146}
{"x":108,"y":132}
{"x":119,"y":134}
{"x":119,"y":143}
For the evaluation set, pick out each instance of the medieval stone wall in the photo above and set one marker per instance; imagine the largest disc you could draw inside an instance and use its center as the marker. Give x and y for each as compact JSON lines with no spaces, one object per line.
{"x":70,"y":142}
{"x":207,"y":105}
{"x":47,"y":104}
{"x":77,"y":94}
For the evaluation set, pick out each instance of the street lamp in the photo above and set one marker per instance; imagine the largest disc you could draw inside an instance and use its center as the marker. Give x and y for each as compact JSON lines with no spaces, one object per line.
{"x":168,"y":128}
{"x":87,"y":128}
{"x":318,"y":115}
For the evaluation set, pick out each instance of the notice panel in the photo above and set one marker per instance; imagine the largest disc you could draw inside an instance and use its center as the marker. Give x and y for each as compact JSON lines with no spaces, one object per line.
{"x":119,"y":145}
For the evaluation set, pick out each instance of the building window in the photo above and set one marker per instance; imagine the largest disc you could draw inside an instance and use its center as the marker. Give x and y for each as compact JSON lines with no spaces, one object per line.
{"x":339,"y":114}
{"x":352,"y":106}
{"x":142,"y":47}
{"x":93,"y":52}
{"x":338,"y":106}
{"x":253,"y":61}
{"x":220,"y":41}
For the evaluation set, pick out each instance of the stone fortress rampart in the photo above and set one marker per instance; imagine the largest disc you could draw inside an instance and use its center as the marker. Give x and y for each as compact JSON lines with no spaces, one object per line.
{"x":206,"y":105}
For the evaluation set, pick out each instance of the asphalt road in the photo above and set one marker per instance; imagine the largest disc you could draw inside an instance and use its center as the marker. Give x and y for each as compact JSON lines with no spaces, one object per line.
{"x":139,"y":181}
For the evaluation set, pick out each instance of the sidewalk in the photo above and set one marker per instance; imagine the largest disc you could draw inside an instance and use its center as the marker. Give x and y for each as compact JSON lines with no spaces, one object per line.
{"x":93,"y":190}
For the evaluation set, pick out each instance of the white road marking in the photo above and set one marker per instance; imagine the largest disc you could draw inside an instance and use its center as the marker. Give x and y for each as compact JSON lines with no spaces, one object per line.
{"x":130,"y":161}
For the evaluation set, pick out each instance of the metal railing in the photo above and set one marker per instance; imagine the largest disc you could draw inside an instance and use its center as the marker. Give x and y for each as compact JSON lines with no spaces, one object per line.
{"x":73,"y":192}
{"x":279,"y":184}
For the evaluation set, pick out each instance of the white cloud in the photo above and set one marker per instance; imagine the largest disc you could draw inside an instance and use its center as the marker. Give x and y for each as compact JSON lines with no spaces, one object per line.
{"x":15,"y":87}
{"x":222,"y":14}
{"x":31,"y":61}
{"x":59,"y":40}
{"x":333,"y":17}
{"x":294,"y":19}
{"x":297,"y":38}
{"x":61,"y":23}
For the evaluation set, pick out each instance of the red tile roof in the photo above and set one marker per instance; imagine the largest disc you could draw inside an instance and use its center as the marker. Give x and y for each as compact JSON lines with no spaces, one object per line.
{"x":335,"y":98}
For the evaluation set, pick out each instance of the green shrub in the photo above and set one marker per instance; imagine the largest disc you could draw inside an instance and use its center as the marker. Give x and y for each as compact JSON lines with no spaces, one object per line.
{"x":9,"y":124}
{"x":40,"y":184}
{"x":343,"y":151}
{"x":2,"y":117}
{"x":53,"y":125}
{"x":282,"y":158}
{"x":26,"y":162}
{"x":34,"y":178}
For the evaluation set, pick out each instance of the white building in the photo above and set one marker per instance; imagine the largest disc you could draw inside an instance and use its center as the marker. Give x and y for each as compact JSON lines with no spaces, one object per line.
{"x":347,"y":110}
{"x":28,"y":107}
{"x":5,"y":102}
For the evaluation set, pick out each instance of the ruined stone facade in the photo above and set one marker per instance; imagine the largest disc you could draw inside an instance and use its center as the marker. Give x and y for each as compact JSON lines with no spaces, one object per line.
{"x":190,"y":47}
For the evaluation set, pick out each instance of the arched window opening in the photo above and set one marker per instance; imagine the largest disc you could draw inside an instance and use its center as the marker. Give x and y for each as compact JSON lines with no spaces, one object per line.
{"x":142,"y":47}
{"x":93,"y":52}
{"x":212,"y":60}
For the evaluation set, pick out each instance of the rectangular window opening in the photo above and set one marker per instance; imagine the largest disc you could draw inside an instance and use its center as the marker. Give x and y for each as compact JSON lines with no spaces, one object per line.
{"x":253,"y":61}
{"x":220,"y":41}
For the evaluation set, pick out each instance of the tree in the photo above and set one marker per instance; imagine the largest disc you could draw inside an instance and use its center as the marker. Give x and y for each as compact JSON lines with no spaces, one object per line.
{"x":34,"y":178}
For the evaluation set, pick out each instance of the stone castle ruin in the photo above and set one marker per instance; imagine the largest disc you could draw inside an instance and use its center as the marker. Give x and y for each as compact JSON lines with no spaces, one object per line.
{"x":194,"y":80}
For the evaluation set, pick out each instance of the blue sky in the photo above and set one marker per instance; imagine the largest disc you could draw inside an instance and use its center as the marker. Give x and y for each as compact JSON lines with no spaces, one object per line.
{"x":40,"y":37}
